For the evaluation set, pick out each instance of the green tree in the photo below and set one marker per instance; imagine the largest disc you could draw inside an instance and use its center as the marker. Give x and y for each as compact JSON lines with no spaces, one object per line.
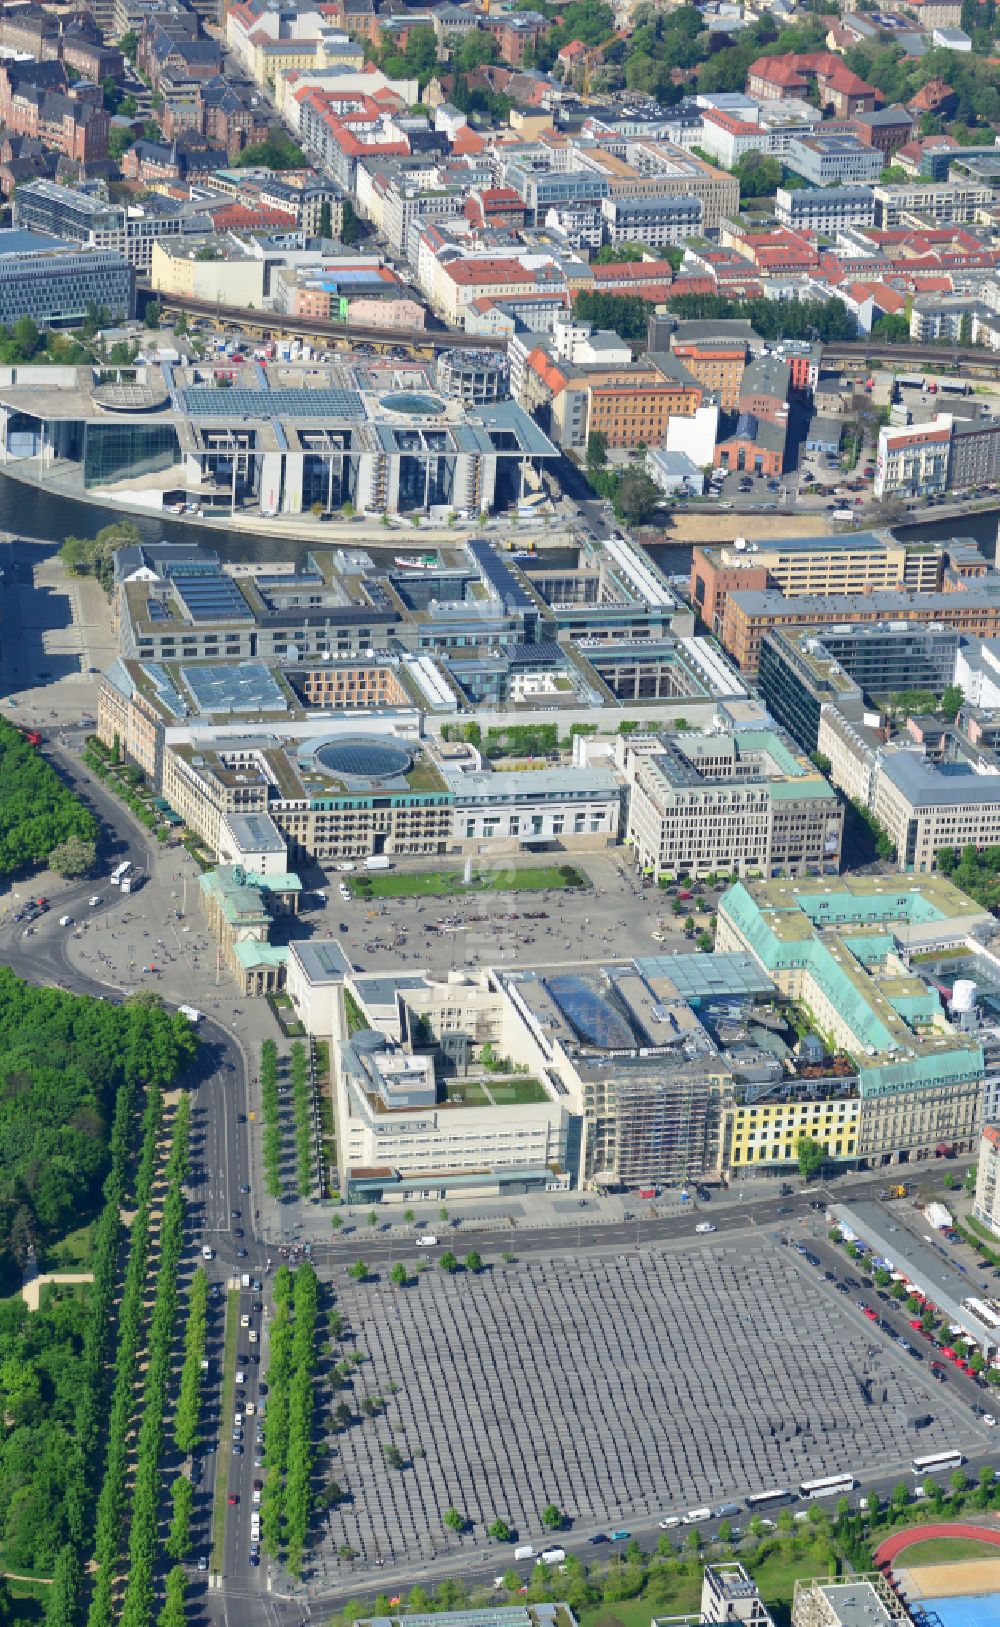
{"x":455,"y":1521}
{"x":758,"y":175}
{"x":64,"y":1597}
{"x":811,"y":1155}
{"x":473,"y":1262}
{"x":398,"y":1275}
{"x":637,"y":497}
{"x":952,"y":701}
{"x":119,"y":142}
{"x":73,"y":857}
{"x":174,"y":1613}
{"x":359,"y":1271}
{"x":373,"y":1218}
{"x":500,"y":1531}
{"x":182,"y":1500}
{"x":448,"y":1261}
{"x":350,"y":230}
{"x":597,"y":449}
{"x":151,"y":315}
{"x":553,"y":1518}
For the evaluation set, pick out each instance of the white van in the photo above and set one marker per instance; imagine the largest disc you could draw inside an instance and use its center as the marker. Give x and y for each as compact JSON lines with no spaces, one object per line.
{"x":525,"y":1552}
{"x":703,"y":1227}
{"x":427,"y":1242}
{"x":553,"y":1556}
{"x":697,"y":1516}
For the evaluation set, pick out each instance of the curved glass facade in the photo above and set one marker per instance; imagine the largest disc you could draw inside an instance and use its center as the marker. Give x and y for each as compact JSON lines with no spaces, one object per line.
{"x":127,"y":451}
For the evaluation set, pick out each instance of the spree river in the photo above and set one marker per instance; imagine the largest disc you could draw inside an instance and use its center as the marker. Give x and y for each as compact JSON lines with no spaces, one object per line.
{"x":31,"y":512}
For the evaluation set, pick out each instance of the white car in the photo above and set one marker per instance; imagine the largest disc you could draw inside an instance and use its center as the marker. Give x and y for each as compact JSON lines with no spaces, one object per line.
{"x":95,"y":901}
{"x":704,"y":1226}
{"x":65,"y":920}
{"x":670,"y":1521}
{"x":989,"y":1420}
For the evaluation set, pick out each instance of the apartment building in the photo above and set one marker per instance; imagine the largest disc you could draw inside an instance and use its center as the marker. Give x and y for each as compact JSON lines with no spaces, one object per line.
{"x":987,"y":1209}
{"x":826,"y":209}
{"x":717,"y":361}
{"x":913,"y":461}
{"x":744,"y":802}
{"x":656,"y":222}
{"x":938,"y":204}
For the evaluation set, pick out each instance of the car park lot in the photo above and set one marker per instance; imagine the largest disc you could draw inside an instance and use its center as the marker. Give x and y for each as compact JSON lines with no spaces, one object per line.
{"x":618,"y":1385}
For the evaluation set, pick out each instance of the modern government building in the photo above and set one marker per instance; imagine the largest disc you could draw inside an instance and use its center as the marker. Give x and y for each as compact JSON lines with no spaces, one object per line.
{"x":270,"y":438}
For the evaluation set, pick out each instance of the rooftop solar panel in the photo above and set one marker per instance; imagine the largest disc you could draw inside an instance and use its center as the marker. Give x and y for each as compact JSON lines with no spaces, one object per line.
{"x":212,"y":598}
{"x":204,"y":401}
{"x":247,"y":686}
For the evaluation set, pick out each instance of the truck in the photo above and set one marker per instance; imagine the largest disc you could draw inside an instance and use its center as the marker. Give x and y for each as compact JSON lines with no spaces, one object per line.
{"x":378,"y":862}
{"x":888,"y":1193}
{"x":551,"y":1556}
{"x":192,"y":1014}
{"x":526,"y":1551}
{"x":132,"y":881}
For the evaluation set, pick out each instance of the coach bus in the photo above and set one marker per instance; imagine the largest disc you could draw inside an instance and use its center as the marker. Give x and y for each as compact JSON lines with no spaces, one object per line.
{"x":763,"y":1500}
{"x":835,"y":1485}
{"x":937,"y":1463}
{"x":122,"y":870}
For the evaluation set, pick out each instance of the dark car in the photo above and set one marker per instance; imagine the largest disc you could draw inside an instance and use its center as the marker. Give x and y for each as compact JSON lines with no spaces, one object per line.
{"x":237,"y":1231}
{"x":241,"y":1253}
{"x":831,"y":1276}
{"x":245,"y":1187}
{"x":784,"y":1209}
{"x":234,"y":1214}
{"x":598,"y":1539}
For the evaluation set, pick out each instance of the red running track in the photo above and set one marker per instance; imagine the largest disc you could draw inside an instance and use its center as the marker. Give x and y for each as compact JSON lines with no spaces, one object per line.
{"x":889,"y":1550}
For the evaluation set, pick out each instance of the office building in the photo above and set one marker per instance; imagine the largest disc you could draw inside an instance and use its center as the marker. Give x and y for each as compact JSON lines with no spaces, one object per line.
{"x":913,"y":461}
{"x":987,"y":1210}
{"x":837,"y":160}
{"x":419,"y":1111}
{"x":857,"y":562}
{"x":802,"y":671}
{"x":864,"y":1601}
{"x":925,"y":805}
{"x":744,"y":803}
{"x":56,"y":283}
{"x":848,"y":953}
{"x":748,"y":616}
{"x":84,"y":217}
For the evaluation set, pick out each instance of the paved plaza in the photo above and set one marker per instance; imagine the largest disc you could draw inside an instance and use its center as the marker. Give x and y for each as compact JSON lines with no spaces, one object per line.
{"x":619,"y":1387}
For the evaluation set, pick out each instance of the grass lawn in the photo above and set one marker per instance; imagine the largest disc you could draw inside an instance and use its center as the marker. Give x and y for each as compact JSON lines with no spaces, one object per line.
{"x":223,"y":1458}
{"x":677,"y":1599}
{"x":468,"y":1092}
{"x":939,"y":1550}
{"x":515,"y":1092}
{"x":445,"y":883}
{"x":72,"y":1252}
{"x":782,"y":1562}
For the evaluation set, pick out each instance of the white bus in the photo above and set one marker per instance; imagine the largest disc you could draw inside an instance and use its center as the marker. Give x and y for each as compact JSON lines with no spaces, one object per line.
{"x":769,"y":1499}
{"x":122,"y":870}
{"x":835,"y":1485}
{"x":937,"y":1462}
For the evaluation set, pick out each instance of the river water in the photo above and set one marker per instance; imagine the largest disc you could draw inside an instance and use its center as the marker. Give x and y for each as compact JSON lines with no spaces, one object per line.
{"x":30,"y":512}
